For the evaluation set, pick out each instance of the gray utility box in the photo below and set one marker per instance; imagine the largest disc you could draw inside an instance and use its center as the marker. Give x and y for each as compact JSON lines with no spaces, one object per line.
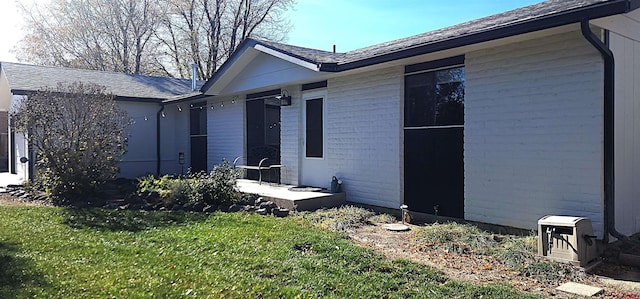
{"x":567,"y":239}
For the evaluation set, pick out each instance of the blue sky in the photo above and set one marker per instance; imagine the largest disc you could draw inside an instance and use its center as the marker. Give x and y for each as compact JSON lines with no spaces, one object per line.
{"x":349,"y":24}
{"x":353,"y":24}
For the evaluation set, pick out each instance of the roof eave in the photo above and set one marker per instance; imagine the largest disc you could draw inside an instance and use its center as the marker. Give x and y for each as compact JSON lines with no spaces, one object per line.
{"x":591,"y":12}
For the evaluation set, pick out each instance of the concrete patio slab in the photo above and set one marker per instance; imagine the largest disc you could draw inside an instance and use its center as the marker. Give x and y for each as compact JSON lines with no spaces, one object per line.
{"x":7,"y":178}
{"x":292,"y":200}
{"x":579,"y":289}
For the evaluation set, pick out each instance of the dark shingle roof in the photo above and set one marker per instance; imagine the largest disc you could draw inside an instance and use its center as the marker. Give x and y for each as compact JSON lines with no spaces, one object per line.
{"x":504,"y":19}
{"x":32,"y":77}
{"x":308,"y":54}
{"x":526,"y":19}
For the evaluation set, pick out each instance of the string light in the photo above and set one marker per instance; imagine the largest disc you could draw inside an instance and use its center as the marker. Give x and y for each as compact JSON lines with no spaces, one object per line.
{"x":221,"y":104}
{"x":145,"y":118}
{"x":179,"y":108}
{"x":162,"y":114}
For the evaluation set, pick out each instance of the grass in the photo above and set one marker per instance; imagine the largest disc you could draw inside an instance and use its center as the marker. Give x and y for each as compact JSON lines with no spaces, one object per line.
{"x":344,"y":218}
{"x":516,"y":252}
{"x":95,"y":253}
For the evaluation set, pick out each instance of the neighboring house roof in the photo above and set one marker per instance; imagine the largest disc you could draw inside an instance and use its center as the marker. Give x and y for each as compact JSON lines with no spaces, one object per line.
{"x":531,"y":18}
{"x":26,"y":78}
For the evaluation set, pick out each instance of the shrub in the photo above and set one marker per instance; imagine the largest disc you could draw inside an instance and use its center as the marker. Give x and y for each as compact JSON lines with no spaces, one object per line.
{"x":216,"y":188}
{"x":78,"y":134}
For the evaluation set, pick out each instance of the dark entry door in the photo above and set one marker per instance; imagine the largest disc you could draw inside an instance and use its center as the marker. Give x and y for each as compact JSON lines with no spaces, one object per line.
{"x":263,"y":137}
{"x":198,"y":135}
{"x":433,"y":142}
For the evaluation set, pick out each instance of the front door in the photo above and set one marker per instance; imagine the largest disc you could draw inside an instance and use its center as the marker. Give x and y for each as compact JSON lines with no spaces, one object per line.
{"x":314,"y":170}
{"x":433,"y":142}
{"x":263,"y":137}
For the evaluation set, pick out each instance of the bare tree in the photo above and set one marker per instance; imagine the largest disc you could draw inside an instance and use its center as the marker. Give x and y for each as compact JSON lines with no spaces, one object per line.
{"x":110,"y":35}
{"x":79,"y":134}
{"x":148,"y":36}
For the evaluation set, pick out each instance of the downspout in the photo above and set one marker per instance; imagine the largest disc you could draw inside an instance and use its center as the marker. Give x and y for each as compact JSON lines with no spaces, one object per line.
{"x":158,"y":116}
{"x":609,"y":121}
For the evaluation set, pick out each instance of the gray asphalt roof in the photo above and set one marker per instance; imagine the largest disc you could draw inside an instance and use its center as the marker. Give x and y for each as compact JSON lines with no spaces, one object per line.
{"x":527,"y":13}
{"x":32,"y":77}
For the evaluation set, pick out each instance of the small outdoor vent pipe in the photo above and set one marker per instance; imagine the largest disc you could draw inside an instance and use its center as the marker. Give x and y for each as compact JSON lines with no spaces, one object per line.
{"x":158,"y":116}
{"x":609,"y":121}
{"x":194,"y":73}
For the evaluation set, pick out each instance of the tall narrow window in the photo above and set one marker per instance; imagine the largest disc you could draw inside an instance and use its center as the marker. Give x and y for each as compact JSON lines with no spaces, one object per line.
{"x":314,"y":131}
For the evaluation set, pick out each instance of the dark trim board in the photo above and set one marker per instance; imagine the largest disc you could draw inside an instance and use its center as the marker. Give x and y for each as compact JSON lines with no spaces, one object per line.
{"x":268,"y":93}
{"x":436,"y":64}
{"x":314,"y":85}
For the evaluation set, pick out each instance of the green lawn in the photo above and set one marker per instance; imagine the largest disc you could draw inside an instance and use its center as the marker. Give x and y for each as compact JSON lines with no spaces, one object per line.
{"x":67,"y":253}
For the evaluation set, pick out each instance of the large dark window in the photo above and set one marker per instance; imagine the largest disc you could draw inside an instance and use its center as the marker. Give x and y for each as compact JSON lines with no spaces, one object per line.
{"x":434,"y":98}
{"x":434,"y":140}
{"x":314,"y":132}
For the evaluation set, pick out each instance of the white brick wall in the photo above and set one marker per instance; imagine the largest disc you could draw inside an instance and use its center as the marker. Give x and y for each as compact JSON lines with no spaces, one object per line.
{"x":533,"y":132}
{"x":290,"y":137}
{"x":225,"y":131}
{"x":363,"y":135}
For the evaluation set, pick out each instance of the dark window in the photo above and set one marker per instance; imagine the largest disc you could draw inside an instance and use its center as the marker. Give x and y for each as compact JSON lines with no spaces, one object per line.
{"x":314,"y":128}
{"x":435,"y":98}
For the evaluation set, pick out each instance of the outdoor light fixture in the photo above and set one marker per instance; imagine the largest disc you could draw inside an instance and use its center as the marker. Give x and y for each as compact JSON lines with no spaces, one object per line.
{"x":284,"y":98}
{"x":179,"y":108}
{"x":221,"y":104}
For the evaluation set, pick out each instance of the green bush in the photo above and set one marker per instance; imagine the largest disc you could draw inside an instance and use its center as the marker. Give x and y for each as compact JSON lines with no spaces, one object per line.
{"x":216,"y":188}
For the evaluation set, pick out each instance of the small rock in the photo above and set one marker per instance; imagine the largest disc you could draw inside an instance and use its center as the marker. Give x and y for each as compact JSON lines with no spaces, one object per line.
{"x":209,"y":209}
{"x":152,"y":196}
{"x":269,"y":205}
{"x":235,"y":208}
{"x":281,"y":212}
{"x":123,"y":207}
{"x":198,"y":207}
{"x":262,"y":211}
{"x":188,"y":206}
{"x":176,"y":207}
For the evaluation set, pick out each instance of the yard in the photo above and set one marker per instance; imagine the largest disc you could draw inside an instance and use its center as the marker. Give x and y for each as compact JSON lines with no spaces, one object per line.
{"x":68,"y":252}
{"x":53,"y":252}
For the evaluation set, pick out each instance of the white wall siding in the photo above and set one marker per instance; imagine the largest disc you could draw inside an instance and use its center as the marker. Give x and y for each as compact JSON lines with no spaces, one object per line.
{"x":291,"y":137}
{"x":140,"y":158}
{"x":627,"y":130}
{"x":225,"y":131}
{"x":533,"y":132}
{"x":174,"y":138}
{"x":363,"y":135}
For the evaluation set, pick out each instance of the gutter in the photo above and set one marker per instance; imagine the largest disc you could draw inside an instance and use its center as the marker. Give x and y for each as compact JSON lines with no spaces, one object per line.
{"x":158,"y":116}
{"x":609,"y":121}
